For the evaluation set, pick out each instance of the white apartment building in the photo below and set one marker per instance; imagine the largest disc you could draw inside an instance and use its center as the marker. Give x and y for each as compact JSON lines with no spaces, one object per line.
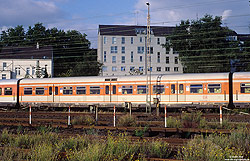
{"x":26,"y":62}
{"x":122,"y":50}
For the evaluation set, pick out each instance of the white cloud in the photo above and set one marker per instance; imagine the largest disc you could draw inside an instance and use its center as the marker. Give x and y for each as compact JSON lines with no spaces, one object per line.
{"x":28,"y":12}
{"x":226,"y":14}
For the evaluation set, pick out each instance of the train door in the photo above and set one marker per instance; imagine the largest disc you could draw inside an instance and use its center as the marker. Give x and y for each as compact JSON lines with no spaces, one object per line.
{"x":56,"y":93}
{"x":50,"y":96}
{"x":181,"y":92}
{"x":173,"y":95}
{"x":110,"y":93}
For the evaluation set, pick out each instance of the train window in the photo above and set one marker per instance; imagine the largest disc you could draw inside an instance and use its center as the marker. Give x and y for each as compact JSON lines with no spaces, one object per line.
{"x":214,"y":88}
{"x":56,"y":90}
{"x":80,"y":90}
{"x":27,"y":91}
{"x":141,"y":89}
{"x":0,"y":91}
{"x":196,"y":88}
{"x":173,"y":88}
{"x":94,"y":90}
{"x":181,"y":89}
{"x":114,"y":89}
{"x":245,"y":87}
{"x":39,"y":91}
{"x":158,"y":89}
{"x":107,"y":90}
{"x":67,"y":90}
{"x":8,"y":91}
{"x":50,"y":90}
{"x":127,"y":89}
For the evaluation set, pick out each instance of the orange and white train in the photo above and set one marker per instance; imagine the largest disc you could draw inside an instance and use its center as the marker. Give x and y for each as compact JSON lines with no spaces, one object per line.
{"x":209,"y":89}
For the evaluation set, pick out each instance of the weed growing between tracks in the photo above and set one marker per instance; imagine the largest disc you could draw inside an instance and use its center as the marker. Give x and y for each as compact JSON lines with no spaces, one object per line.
{"x":49,"y":146}
{"x":218,"y":147}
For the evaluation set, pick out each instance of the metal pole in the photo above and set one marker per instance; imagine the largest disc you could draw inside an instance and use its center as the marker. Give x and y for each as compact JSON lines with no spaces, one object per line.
{"x":165,"y":116}
{"x":130,"y":109}
{"x":30,"y":115}
{"x":221,"y":115}
{"x":114,"y":115}
{"x":96,"y":114}
{"x":148,"y":67}
{"x":69,"y":117}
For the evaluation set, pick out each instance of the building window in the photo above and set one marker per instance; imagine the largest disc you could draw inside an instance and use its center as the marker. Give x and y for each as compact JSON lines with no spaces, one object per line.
{"x":33,"y":70}
{"x":4,"y":65}
{"x":27,"y":90}
{"x":113,"y":40}
{"x":151,"y":50}
{"x":158,"y":69}
{"x":123,"y":59}
{"x":167,"y":60}
{"x":81,"y":90}
{"x":67,"y":90}
{"x":140,"y":49}
{"x":3,"y":76}
{"x":123,"y":68}
{"x":140,"y":39}
{"x":28,"y":71}
{"x":140,"y":58}
{"x":94,"y":90}
{"x":176,"y":60}
{"x":127,"y":89}
{"x":123,"y":40}
{"x":113,"y":49}
{"x":158,"y":57}
{"x":40,"y":91}
{"x":140,"y":69}
{"x":150,"y":69}
{"x":113,"y":59}
{"x":132,"y":68}
{"x":123,"y":49}
{"x":158,"y":41}
{"x":167,"y":52}
{"x":132,"y":57}
{"x":105,"y":56}
{"x":17,"y":71}
{"x":105,"y":40}
{"x":167,"y":69}
{"x":104,"y":68}
{"x":176,"y":69}
{"x":132,"y":40}
{"x":114,"y":69}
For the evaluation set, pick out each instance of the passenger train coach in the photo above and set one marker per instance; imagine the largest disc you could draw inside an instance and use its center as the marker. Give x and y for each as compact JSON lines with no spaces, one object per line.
{"x":179,"y":90}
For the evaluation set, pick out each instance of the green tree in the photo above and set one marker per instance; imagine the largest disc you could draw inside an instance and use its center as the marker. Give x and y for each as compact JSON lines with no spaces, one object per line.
{"x":204,"y":45}
{"x":71,"y":49}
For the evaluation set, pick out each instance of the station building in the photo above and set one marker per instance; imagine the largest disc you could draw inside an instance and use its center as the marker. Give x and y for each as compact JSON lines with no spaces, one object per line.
{"x":122,"y":50}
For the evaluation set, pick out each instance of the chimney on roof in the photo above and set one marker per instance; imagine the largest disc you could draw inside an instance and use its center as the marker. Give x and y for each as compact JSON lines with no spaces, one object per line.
{"x":37,"y":45}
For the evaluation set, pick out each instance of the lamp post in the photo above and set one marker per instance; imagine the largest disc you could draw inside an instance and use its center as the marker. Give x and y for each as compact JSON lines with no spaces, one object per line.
{"x":148,"y":64}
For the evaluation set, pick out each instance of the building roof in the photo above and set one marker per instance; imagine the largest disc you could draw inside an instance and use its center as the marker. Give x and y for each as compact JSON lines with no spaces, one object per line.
{"x":243,"y":37}
{"x":126,"y":30}
{"x":45,"y":52}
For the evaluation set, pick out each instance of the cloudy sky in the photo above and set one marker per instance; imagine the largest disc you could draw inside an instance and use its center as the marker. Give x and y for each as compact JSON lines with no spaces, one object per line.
{"x":86,"y":15}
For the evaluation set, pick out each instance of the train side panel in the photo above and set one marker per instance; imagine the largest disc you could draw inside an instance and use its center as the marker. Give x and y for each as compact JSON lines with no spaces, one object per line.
{"x":8,"y":93}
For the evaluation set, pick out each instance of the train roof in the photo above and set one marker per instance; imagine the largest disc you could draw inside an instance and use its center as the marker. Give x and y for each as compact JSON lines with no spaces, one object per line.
{"x":8,"y":81}
{"x":154,"y":77}
{"x":241,"y":75}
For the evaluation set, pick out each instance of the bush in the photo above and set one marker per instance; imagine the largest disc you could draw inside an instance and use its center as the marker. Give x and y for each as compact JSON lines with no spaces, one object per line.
{"x":127,"y":121}
{"x":83,"y":120}
{"x":206,"y":150}
{"x":173,"y":122}
{"x":191,"y":120}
